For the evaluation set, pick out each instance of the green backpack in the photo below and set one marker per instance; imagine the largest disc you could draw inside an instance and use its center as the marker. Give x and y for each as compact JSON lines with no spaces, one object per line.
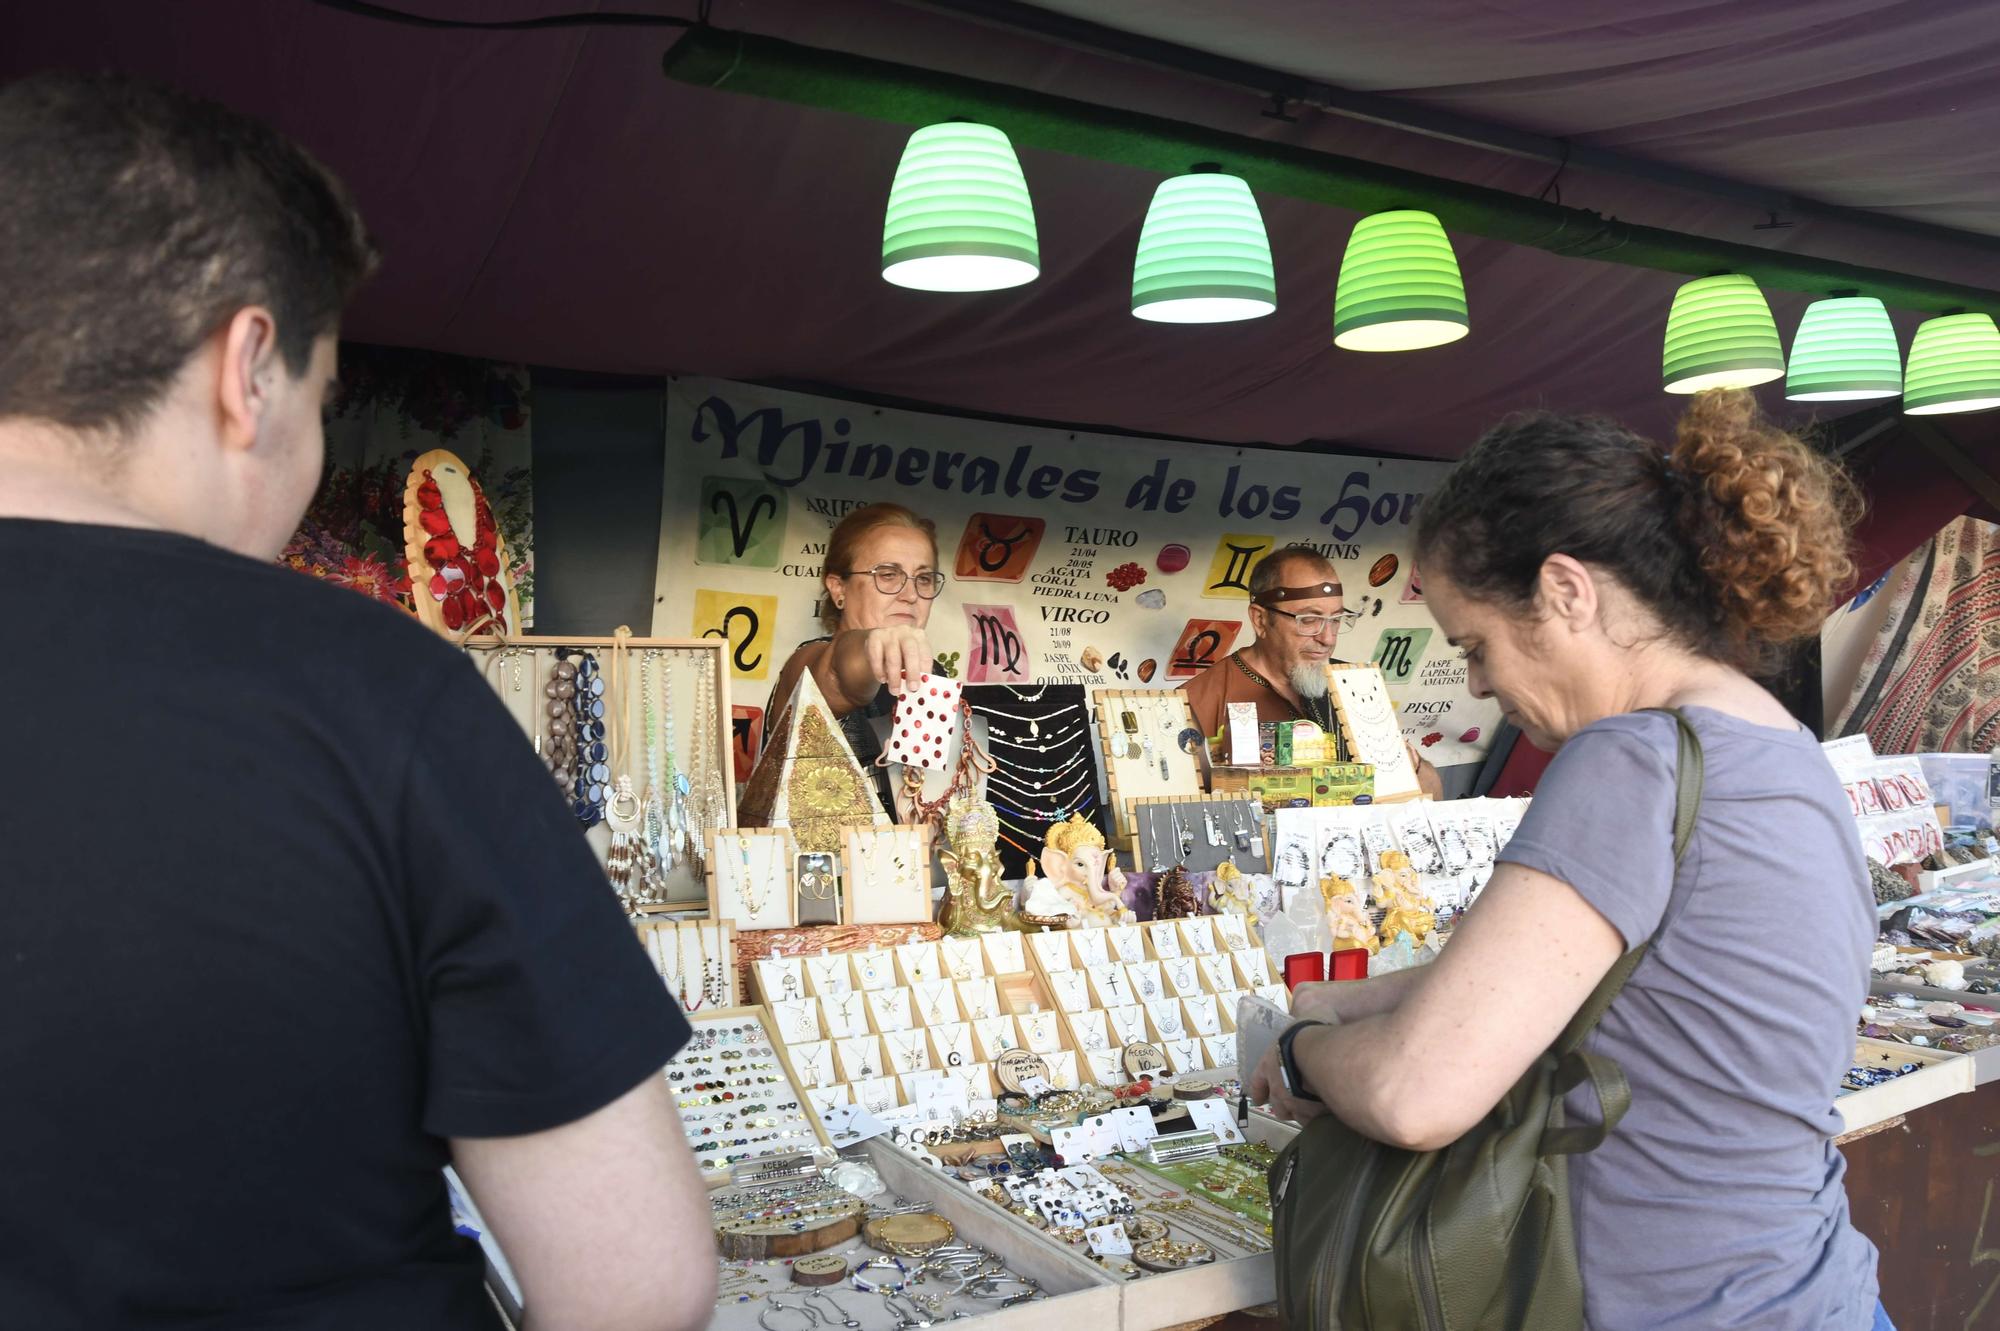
{"x":1476,"y":1236}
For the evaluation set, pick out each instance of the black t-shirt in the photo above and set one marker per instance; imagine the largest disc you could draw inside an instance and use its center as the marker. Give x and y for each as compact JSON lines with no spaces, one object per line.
{"x":285,"y":901}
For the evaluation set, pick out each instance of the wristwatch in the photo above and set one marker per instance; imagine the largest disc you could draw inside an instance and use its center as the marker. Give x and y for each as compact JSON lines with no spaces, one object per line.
{"x":1288,"y":1068}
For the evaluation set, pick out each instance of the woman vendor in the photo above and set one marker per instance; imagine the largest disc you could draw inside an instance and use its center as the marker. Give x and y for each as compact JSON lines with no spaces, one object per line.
{"x":881,"y":579}
{"x":1590,"y":577}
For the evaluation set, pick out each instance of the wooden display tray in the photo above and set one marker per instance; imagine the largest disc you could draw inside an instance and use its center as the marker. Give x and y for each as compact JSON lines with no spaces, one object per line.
{"x":1112,"y":746}
{"x":690,"y":893}
{"x":1045,"y":988}
{"x":762,"y":1016}
{"x":1942,"y":1076}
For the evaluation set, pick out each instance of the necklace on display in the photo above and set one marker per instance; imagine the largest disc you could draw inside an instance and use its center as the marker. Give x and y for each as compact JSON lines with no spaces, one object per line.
{"x":1033,"y":722}
{"x":715,"y":982}
{"x":911,"y":1049}
{"x":1208,"y":825}
{"x":680,"y":949}
{"x":1242,"y":827}
{"x":752,"y":900}
{"x":1183,"y":835}
{"x":889,"y":847}
{"x":934,"y":1006}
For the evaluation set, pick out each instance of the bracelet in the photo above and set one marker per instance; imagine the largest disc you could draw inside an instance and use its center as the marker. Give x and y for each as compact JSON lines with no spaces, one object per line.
{"x":882,"y":1286}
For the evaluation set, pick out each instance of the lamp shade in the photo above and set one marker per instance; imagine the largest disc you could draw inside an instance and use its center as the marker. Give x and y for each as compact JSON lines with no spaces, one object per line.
{"x":959,"y":216}
{"x":1203,"y":256}
{"x":1720,"y":334}
{"x":1845,"y":350}
{"x":1954,"y":366}
{"x":1400,"y":288}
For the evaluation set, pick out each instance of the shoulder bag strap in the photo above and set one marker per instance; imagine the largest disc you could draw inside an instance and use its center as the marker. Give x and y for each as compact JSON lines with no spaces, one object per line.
{"x":1687,"y":803}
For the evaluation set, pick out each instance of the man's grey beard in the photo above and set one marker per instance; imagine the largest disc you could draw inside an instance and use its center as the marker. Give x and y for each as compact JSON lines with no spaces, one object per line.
{"x":1309,"y":681}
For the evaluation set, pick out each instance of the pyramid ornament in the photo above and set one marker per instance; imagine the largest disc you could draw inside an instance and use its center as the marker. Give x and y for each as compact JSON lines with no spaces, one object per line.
{"x":808,"y":778}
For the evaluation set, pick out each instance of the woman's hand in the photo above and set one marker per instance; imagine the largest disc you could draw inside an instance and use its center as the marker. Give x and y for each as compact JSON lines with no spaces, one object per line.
{"x":1266,"y":1086}
{"x":897,"y":655}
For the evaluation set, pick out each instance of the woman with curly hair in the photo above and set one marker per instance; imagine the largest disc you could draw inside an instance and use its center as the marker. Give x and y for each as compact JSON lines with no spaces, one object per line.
{"x":1590,"y":577}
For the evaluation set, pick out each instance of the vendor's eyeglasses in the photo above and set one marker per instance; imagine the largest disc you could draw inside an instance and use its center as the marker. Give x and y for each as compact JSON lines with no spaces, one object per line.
{"x":1311,"y":626}
{"x":890,"y":578}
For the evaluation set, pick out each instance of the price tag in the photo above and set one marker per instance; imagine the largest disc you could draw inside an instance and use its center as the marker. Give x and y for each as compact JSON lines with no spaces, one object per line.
{"x":1217,"y":1117}
{"x":1082,"y":1143}
{"x":1109,"y":1240}
{"x":1132,"y":1128}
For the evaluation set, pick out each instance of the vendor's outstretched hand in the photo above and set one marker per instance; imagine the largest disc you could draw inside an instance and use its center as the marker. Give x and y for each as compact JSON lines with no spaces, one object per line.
{"x":897,"y":655}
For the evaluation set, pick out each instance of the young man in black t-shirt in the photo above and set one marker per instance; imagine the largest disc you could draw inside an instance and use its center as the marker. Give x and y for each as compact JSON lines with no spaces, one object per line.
{"x":290,"y":916}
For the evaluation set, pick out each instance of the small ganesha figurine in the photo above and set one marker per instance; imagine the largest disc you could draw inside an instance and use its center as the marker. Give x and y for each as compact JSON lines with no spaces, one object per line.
{"x":1230,"y":893}
{"x":976,"y":901}
{"x":1346,"y":918}
{"x":1397,"y":891}
{"x":1084,"y":872}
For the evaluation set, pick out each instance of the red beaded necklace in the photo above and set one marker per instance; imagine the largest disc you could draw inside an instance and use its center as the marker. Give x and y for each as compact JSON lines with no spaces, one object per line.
{"x":466,"y":578}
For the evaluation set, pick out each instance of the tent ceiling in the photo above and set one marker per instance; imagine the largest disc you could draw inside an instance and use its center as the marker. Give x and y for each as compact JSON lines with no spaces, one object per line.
{"x":548,"y":196}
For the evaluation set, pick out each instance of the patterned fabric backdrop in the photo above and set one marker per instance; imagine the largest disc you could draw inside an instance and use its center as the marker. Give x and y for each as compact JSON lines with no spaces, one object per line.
{"x":1930,"y":682}
{"x":392,"y":405}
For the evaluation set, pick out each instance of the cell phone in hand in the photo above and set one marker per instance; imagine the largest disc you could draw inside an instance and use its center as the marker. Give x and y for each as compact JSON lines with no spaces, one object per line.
{"x":1259,"y":1022}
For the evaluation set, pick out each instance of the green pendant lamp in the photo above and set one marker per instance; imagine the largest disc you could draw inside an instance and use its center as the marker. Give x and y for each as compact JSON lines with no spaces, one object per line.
{"x":1845,"y":351}
{"x":959,"y":215}
{"x":1203,"y":256}
{"x":1400,"y":288}
{"x":1954,"y":366}
{"x":1720,"y":334}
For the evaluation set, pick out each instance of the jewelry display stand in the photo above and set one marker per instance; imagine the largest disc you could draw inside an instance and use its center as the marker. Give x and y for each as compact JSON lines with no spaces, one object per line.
{"x":695,"y":958}
{"x":739,"y":1109}
{"x":461,"y":579}
{"x":1170,"y":999}
{"x":1045,"y":765}
{"x":1139,"y":738}
{"x":887,"y":878}
{"x":817,"y":876}
{"x":676,"y":750}
{"x":1451,"y":845}
{"x":1212,"y":828}
{"x":880,"y":1022}
{"x":750,"y":877}
{"x":1368,"y":725}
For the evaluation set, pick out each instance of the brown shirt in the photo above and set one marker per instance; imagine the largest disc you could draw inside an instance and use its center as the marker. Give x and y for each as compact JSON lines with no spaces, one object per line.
{"x":1210,"y":693}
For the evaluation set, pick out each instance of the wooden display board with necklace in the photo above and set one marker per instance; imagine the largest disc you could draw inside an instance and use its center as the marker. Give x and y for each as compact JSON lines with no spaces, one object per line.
{"x":636,"y":731}
{"x":1150,"y":746}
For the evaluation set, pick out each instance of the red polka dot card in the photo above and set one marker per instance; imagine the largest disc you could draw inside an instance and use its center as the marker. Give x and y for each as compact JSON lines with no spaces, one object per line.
{"x":924,"y":732}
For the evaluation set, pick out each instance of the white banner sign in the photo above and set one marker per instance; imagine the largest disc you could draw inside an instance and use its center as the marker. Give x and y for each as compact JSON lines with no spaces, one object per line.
{"x":1113,"y":561}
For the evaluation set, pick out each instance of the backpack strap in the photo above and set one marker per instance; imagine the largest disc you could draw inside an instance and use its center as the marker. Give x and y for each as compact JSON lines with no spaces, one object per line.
{"x":1687,"y":804}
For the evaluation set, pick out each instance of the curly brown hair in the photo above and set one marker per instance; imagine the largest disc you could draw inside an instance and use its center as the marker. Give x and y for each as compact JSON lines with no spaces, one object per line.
{"x":1738,"y":539}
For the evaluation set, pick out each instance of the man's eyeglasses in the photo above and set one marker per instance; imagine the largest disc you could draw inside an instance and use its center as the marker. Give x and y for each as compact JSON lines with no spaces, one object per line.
{"x":1311,"y":626}
{"x":890,"y":578}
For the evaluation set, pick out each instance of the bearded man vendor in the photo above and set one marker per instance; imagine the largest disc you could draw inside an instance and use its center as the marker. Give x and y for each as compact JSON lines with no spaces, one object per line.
{"x":1295,"y":610}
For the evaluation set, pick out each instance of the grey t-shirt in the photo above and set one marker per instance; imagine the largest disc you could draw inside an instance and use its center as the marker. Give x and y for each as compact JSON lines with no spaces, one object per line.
{"x":1718,"y":1201}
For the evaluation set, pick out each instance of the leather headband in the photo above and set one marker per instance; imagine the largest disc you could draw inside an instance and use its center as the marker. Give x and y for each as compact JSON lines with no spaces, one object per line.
{"x":1308,"y":593}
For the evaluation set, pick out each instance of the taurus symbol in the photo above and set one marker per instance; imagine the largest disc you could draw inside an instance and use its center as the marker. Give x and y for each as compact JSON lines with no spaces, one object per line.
{"x":989,"y":544}
{"x":743,"y":527}
{"x":741,"y":647}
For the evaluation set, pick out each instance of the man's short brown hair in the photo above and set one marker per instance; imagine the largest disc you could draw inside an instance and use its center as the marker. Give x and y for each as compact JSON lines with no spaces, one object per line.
{"x":135,"y":220}
{"x":1270,"y":571}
